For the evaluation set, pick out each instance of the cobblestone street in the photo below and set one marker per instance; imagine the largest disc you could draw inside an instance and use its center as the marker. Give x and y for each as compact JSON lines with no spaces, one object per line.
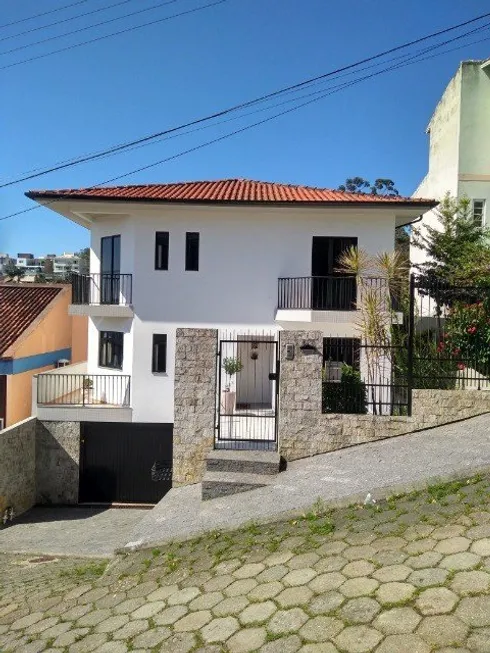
{"x":410,"y":575}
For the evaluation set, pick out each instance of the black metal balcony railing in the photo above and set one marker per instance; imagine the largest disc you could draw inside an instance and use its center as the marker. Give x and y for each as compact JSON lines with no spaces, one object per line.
{"x":102,"y":289}
{"x":318,"y":293}
{"x":84,"y":390}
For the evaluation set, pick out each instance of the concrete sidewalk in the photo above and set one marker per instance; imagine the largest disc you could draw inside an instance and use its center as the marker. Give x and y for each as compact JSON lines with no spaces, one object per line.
{"x":345,"y":476}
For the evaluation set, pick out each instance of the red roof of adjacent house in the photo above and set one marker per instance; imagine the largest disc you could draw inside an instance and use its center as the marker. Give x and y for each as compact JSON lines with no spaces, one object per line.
{"x":20,"y":306}
{"x":227,"y":190}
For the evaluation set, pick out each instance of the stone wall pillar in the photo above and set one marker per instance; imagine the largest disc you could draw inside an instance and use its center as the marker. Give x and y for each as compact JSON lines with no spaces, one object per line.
{"x":195,"y":402}
{"x":300,"y":391}
{"x":57,"y":462}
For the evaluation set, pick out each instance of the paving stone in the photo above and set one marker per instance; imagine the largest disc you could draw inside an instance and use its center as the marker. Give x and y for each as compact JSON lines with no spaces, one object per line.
{"x":327,"y":582}
{"x":392,"y":573}
{"x":299,"y":577}
{"x":183,"y":596}
{"x":397,"y":621}
{"x":445,"y":532}
{"x":112,"y":623}
{"x":113,"y":647}
{"x":206,"y":601}
{"x":321,"y":629}
{"x":130,"y":605}
{"x":56,"y":630}
{"x":331,"y":548}
{"x":218,"y":583}
{"x":249,"y":571}
{"x":443,"y":630}
{"x":392,"y":593}
{"x":388,"y":543}
{"x":417,"y":531}
{"x":294,"y":596}
{"x":358,"y":639}
{"x":162,"y":593}
{"x":436,"y":600}
{"x":360,"y":611}
{"x":178,"y":643}
{"x":479,"y":640}
{"x":193,"y":621}
{"x":94,"y":617}
{"x":429,"y":559}
{"x":324,"y":647}
{"x":27,"y":621}
{"x":427,"y":577}
{"x":287,"y":621}
{"x":356,"y":539}
{"x":289,"y":644}
{"x":131,"y":629}
{"x":248,"y":639}
{"x":148,"y":610}
{"x":257,"y":613}
{"x":453,"y":545}
{"x":403,"y":644}
{"x":326,"y":603}
{"x":219,"y":630}
{"x":233,"y":605}
{"x":40,"y":626}
{"x":331,"y":563}
{"x":385,"y":558}
{"x":303,"y":560}
{"x":481,"y":547}
{"x":273,"y":573}
{"x":471,"y":582}
{"x":151,"y":638}
{"x":474,"y":611}
{"x":278,"y":558}
{"x":362,"y":552}
{"x":452,"y":650}
{"x":170,"y":615}
{"x":358,"y":587}
{"x":358,"y":568}
{"x":89,"y":643}
{"x":70,"y":637}
{"x":240,"y":587}
{"x":460,"y":561}
{"x":265,"y":591}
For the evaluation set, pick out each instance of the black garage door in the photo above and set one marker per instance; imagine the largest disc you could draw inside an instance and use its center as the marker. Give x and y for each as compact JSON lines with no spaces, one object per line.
{"x":125,"y":462}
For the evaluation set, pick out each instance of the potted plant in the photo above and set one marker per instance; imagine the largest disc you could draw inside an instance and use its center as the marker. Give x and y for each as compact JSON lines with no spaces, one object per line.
{"x":88,"y":384}
{"x":231,"y":367}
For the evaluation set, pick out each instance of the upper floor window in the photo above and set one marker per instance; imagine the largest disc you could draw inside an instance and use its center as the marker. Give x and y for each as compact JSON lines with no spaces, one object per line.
{"x":479,"y":212}
{"x":192,"y":251}
{"x":111,"y":349}
{"x":161,"y":250}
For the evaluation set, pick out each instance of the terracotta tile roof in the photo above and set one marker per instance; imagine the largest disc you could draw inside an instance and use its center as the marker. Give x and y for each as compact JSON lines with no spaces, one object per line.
{"x":227,"y":190}
{"x":20,"y":305}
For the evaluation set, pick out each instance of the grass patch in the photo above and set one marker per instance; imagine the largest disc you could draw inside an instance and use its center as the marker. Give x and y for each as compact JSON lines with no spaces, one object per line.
{"x":86,"y":572}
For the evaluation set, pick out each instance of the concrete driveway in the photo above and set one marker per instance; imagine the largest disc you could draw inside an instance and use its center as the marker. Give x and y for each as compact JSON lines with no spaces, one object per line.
{"x":70,"y":531}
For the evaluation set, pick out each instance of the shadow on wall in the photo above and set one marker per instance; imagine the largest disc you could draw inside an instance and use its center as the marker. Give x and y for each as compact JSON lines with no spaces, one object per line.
{"x":45,"y":514}
{"x":57,"y":462}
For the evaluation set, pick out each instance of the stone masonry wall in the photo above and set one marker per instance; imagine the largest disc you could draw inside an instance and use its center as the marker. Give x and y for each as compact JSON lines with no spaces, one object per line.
{"x":57,"y":462}
{"x":17,"y":466}
{"x":195,"y":396}
{"x":305,"y":431}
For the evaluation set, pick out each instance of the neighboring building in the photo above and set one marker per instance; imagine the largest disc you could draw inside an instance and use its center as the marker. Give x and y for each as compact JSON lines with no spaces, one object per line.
{"x":237,"y":255}
{"x":65,"y":263}
{"x":5,"y":260}
{"x":459,"y":145}
{"x":36,"y":335}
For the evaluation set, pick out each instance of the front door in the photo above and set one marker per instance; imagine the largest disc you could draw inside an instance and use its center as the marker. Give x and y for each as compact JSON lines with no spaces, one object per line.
{"x":331,"y":290}
{"x":110,"y":267}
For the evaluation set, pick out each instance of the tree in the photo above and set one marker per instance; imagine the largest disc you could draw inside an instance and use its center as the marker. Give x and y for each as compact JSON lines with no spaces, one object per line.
{"x":84,"y":260}
{"x":457,"y":248}
{"x":361,"y":185}
{"x":13,"y":272}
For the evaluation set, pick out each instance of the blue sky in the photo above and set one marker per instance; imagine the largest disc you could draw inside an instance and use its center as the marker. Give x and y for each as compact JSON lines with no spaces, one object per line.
{"x":123,"y":87}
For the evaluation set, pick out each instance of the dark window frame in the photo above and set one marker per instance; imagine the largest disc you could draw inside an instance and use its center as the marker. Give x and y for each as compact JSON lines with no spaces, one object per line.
{"x":192,"y":245}
{"x":164,"y":236}
{"x":159,"y":340}
{"x":116,"y":340}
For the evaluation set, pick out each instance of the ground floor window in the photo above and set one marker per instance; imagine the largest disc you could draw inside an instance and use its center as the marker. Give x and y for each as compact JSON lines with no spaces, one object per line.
{"x":111,"y":349}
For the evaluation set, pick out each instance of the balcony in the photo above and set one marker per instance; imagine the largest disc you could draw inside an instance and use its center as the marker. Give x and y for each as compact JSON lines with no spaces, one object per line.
{"x":102,"y":295}
{"x":333,"y":299}
{"x":71,"y":394}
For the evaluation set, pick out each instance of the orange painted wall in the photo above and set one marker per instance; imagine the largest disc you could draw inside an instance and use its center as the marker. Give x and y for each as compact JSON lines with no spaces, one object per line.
{"x":57,"y":330}
{"x":19,"y":395}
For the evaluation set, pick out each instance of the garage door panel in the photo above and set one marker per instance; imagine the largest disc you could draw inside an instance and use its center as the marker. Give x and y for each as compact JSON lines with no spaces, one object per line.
{"x":125,"y":462}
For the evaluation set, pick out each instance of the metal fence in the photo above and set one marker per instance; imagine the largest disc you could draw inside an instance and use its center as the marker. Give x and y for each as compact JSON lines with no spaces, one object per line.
{"x":84,"y":390}
{"x":358,"y":378}
{"x":450,"y":336}
{"x":102,"y":289}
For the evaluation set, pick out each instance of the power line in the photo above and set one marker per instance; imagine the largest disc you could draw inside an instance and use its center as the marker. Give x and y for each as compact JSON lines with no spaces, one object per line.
{"x":88,"y":27}
{"x":106,"y":36}
{"x":408,"y":61}
{"x":65,"y":20}
{"x":45,"y":13}
{"x":154,"y":136}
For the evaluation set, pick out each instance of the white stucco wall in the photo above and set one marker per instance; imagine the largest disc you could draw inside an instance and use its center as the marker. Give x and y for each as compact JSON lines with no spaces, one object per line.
{"x":243,"y":252}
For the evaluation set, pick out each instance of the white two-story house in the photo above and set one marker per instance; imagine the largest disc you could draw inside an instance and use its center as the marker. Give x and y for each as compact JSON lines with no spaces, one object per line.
{"x":245,"y":257}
